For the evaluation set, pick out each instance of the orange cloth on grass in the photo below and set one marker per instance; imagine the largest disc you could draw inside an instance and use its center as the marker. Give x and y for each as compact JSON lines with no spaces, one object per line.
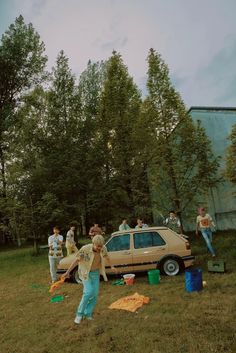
{"x":130,"y":303}
{"x":56,"y":285}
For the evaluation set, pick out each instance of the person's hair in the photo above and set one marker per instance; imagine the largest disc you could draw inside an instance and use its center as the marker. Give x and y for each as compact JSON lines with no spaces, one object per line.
{"x":56,"y":227}
{"x":72,"y":225}
{"x":201,"y":209}
{"x":172,"y":211}
{"x":98,"y":240}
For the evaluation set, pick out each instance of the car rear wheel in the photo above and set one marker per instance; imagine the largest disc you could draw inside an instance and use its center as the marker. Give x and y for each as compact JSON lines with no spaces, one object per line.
{"x":75,"y":276}
{"x":171,"y":267}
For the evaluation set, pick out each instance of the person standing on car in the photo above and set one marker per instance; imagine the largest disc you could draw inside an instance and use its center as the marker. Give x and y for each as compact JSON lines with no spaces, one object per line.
{"x":173,"y":222}
{"x":124,"y":225}
{"x":204,"y":222}
{"x":140,"y":224}
{"x":91,"y":263}
{"x":70,"y":241}
{"x":55,"y":242}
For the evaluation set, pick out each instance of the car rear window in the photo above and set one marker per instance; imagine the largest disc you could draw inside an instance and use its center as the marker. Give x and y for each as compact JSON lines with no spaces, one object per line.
{"x":119,"y":243}
{"x":147,"y":239}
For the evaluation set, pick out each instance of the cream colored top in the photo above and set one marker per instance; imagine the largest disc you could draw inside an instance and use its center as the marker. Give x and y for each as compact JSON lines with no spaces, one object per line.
{"x":86,"y":257}
{"x":70,"y":238}
{"x":204,"y":222}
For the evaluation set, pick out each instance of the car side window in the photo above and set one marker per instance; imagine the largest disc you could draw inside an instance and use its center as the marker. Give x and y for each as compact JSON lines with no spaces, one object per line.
{"x":157,"y":240}
{"x":119,"y":243}
{"x":147,"y":240}
{"x":142,"y":240}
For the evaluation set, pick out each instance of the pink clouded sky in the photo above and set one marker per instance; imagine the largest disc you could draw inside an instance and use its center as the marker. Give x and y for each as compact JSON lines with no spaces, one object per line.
{"x":197,"y":38}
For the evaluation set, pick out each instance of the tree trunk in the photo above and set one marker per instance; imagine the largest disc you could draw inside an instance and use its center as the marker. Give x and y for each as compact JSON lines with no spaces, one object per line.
{"x":176,"y":198}
{"x":17,"y":230}
{"x":36,"y":243}
{"x":83,"y":225}
{"x":3,"y":174}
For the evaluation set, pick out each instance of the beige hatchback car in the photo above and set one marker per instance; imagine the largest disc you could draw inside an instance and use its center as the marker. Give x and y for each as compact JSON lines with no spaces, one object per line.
{"x":143,"y":249}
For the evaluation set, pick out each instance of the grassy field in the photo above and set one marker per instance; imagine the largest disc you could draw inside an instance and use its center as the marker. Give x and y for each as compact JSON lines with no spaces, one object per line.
{"x":174,"y":322}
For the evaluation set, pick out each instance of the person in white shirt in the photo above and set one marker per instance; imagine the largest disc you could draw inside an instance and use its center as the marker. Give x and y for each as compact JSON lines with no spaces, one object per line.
{"x":70,"y":241}
{"x":55,"y":242}
{"x":140,"y":224}
{"x":124,"y":225}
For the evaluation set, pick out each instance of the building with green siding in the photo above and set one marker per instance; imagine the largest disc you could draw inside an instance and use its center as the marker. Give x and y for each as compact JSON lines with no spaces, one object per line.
{"x":218,"y":123}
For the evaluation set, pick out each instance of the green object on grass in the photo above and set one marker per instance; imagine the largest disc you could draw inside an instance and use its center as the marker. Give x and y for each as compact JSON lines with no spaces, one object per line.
{"x":154,"y":276}
{"x":119,"y":282}
{"x":39,"y":287}
{"x":57,"y":299}
{"x":216,"y":266}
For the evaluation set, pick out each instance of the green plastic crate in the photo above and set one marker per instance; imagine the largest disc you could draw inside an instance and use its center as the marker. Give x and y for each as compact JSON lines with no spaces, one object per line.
{"x":216,"y":266}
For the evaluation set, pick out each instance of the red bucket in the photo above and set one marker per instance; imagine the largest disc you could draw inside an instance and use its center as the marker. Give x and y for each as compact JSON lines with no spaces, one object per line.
{"x":129,"y":279}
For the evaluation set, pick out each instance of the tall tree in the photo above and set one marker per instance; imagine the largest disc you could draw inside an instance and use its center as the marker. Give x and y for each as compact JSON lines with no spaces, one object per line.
{"x":230,"y":170}
{"x":61,"y":149}
{"x":22,"y":63}
{"x":47,"y":151}
{"x":21,"y":66}
{"x":90,"y":88}
{"x":179,"y":151}
{"x":120,"y":105}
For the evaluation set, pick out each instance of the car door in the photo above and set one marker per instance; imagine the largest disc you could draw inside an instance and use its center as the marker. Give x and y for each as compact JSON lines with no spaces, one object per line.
{"x":120,"y":252}
{"x":149,"y":247}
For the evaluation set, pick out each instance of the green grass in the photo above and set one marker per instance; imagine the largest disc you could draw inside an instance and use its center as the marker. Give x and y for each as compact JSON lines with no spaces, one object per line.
{"x":173,"y":321}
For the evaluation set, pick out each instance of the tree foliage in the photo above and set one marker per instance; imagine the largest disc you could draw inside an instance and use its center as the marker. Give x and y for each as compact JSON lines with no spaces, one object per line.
{"x":182,"y":166}
{"x":230,"y":171}
{"x":88,"y":148}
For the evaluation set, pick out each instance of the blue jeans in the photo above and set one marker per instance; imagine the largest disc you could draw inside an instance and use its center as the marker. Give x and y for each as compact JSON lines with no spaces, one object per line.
{"x":207,"y":235}
{"x":90,"y":294}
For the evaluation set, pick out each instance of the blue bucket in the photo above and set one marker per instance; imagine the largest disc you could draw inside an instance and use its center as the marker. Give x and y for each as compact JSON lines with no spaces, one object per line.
{"x":193,"y":280}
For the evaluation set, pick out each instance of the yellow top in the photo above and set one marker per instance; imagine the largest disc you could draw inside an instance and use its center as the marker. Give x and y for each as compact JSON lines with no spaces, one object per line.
{"x":86,"y":257}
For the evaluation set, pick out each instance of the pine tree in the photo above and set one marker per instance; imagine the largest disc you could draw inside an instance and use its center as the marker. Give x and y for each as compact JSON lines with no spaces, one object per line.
{"x":120,"y":105}
{"x":179,"y":151}
{"x":22,"y":63}
{"x":90,"y":89}
{"x":230,"y":170}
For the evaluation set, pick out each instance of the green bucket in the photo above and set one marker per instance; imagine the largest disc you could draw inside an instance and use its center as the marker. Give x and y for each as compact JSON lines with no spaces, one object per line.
{"x":154,"y":276}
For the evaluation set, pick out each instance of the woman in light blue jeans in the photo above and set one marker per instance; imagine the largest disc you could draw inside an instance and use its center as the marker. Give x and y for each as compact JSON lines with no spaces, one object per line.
{"x":207,"y":235}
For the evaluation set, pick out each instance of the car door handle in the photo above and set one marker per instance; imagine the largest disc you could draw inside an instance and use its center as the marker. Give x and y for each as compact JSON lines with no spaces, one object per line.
{"x":127,"y":253}
{"x":161,"y":248}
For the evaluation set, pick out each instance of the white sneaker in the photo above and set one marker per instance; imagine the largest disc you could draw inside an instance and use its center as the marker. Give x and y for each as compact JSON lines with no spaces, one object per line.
{"x":89,"y":318}
{"x":78,"y":320}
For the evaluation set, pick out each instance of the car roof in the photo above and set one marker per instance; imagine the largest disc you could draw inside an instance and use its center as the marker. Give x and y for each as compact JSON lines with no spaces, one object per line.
{"x":141,"y":230}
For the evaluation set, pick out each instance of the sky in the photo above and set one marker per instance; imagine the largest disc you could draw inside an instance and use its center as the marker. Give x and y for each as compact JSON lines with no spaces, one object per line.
{"x":196,"y":38}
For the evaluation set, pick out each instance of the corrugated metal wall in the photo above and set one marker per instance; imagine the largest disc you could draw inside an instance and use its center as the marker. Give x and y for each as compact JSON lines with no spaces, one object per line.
{"x":218,"y":124}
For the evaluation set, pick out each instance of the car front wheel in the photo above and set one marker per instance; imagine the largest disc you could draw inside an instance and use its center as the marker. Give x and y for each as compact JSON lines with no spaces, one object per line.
{"x":75,"y":276}
{"x":170,"y":267}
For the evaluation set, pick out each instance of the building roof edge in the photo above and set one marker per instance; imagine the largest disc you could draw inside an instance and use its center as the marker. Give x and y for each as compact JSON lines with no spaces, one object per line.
{"x":211,"y":108}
